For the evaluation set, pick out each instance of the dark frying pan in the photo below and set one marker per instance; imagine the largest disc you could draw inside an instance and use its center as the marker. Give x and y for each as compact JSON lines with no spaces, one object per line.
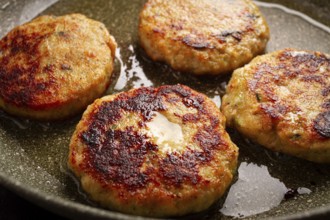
{"x":33,"y":155}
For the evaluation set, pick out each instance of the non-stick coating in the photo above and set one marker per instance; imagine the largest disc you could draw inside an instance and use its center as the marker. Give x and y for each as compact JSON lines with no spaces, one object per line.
{"x":33,"y":155}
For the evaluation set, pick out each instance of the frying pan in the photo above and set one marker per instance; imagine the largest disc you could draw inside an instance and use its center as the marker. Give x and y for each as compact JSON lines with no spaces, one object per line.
{"x":33,"y":154}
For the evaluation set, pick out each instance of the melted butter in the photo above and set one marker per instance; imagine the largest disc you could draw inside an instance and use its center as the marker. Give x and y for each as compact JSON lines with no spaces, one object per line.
{"x":167,"y":135}
{"x":293,"y":117}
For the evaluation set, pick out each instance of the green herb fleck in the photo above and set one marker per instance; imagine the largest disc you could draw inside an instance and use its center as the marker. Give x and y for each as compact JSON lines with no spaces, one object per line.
{"x":258,"y":97}
{"x":296,"y":137}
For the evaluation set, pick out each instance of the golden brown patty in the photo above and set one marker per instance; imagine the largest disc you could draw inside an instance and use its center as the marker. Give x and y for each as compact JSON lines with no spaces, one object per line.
{"x":203,"y":37}
{"x":153,"y":152}
{"x":53,"y":67}
{"x":282,"y":101}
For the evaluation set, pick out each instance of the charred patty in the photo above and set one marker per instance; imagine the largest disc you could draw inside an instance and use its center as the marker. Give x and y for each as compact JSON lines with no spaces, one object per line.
{"x":153,"y":152}
{"x":53,"y":67}
{"x":282,"y":101}
{"x":203,"y":37}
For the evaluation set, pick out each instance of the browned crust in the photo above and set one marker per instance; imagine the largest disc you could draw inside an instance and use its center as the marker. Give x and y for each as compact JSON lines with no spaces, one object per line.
{"x":281,"y":101}
{"x":33,"y":76}
{"x":114,"y":158}
{"x":304,"y":68}
{"x":198,"y":40}
{"x":124,"y":169}
{"x":19,"y":85}
{"x":229,"y":33}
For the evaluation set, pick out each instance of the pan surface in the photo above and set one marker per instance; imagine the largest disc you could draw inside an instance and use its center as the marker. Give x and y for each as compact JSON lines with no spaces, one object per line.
{"x":33,"y":154}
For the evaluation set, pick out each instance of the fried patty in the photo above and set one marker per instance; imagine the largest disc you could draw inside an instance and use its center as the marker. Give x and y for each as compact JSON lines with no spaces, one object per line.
{"x":282,"y":101}
{"x":202,"y":37}
{"x":53,"y":67}
{"x":153,"y":151}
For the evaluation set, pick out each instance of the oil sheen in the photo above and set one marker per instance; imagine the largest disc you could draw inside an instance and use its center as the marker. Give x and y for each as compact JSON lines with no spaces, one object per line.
{"x":34,"y":154}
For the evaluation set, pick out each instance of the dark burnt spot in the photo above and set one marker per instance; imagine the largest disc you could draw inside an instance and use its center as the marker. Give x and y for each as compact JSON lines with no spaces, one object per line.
{"x":311,"y":61}
{"x":326,"y":91}
{"x":275,"y":111}
{"x":189,"y":100}
{"x":177,"y":169}
{"x":261,"y":71}
{"x":269,"y":93}
{"x":49,"y":68}
{"x":326,"y":104}
{"x":292,"y":73}
{"x":63,"y":34}
{"x":141,"y":124}
{"x":314,"y":78}
{"x":19,"y":84}
{"x":195,"y":102}
{"x":145,"y":101}
{"x":196,"y":42}
{"x":261,"y":84}
{"x":117,"y":155}
{"x":108,"y":113}
{"x":177,"y":27}
{"x":322,"y":124}
{"x":297,"y":65}
{"x":177,"y":89}
{"x":237,"y":35}
{"x":173,"y":99}
{"x":22,"y":42}
{"x":92,"y":137}
{"x":190,"y":117}
{"x":40,"y":86}
{"x":209,"y":139}
{"x":214,"y":121}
